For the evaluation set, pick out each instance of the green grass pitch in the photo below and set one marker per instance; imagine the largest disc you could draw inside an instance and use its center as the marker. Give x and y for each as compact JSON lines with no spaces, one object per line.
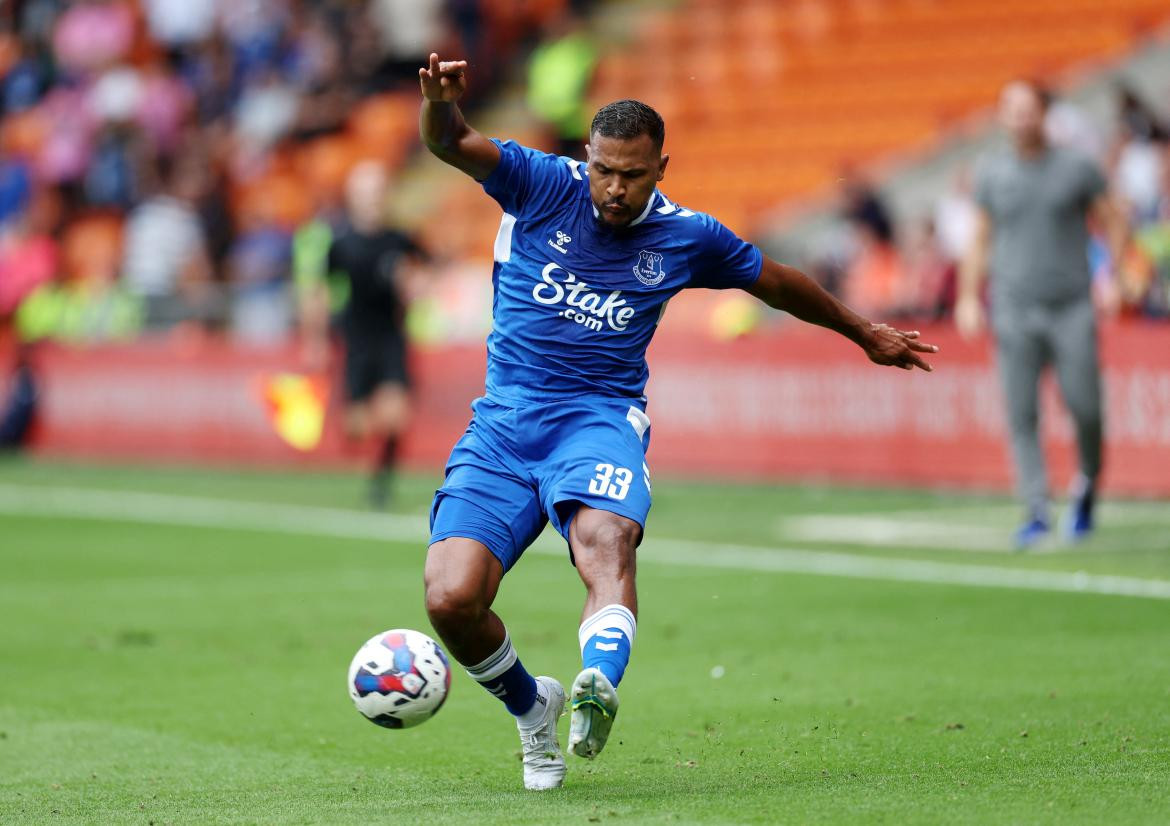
{"x":159,"y":666}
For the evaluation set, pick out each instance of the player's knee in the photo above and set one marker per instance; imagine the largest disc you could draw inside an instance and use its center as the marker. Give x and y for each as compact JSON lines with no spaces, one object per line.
{"x":453,"y":605}
{"x":456,"y":596}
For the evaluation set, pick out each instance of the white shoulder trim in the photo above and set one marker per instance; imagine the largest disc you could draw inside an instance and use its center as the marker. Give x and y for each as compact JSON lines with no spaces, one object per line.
{"x":575,"y":168}
{"x":669,"y":208}
{"x":502,"y":251}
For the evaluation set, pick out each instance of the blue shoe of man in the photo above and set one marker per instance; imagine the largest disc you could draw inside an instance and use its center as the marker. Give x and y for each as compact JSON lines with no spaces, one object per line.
{"x":1031,"y":533}
{"x":1079,"y":522}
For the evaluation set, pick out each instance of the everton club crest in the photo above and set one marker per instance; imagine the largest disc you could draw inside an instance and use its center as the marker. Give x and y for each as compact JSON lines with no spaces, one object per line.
{"x":649,"y":268}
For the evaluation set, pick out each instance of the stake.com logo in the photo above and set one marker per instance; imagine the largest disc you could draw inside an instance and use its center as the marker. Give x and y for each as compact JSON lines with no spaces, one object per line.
{"x":584,"y":306}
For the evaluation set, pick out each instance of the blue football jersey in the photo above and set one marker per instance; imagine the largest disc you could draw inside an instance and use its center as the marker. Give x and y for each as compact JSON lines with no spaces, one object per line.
{"x":576,"y":302}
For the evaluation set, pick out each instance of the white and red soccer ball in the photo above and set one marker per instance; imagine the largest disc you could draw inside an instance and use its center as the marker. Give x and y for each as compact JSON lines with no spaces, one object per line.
{"x":399,"y":678}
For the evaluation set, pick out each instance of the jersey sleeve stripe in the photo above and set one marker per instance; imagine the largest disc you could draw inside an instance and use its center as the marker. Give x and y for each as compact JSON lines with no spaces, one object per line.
{"x":503,"y":247}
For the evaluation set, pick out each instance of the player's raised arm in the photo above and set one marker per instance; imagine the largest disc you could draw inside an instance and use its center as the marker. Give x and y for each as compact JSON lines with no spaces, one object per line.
{"x":441,"y":124}
{"x":790,"y":290}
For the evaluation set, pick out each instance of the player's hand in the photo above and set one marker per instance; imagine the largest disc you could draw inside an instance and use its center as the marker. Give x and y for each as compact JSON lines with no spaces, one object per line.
{"x":969,"y":317}
{"x":443,"y":81}
{"x":897,"y":348}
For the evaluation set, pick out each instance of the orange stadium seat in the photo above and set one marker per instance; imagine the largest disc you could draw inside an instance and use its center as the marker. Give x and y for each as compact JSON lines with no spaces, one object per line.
{"x":766,"y":102}
{"x":762,"y":88}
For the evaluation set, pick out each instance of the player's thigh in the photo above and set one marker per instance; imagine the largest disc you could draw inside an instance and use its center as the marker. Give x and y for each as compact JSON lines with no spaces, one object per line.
{"x":600,"y":463}
{"x":485,"y":499}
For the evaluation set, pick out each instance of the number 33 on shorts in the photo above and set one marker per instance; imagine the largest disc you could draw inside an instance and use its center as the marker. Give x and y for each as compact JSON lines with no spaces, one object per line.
{"x":614,"y":482}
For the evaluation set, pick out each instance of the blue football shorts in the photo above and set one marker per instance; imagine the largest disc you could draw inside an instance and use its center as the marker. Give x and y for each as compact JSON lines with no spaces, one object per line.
{"x":517,"y":468}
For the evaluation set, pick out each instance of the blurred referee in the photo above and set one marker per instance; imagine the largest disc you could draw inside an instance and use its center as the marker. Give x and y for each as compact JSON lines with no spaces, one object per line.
{"x":1035,"y":201}
{"x":370,"y":260}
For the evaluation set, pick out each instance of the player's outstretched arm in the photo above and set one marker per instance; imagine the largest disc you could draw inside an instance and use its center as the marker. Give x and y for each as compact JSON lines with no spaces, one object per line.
{"x":790,"y":290}
{"x":441,"y":124}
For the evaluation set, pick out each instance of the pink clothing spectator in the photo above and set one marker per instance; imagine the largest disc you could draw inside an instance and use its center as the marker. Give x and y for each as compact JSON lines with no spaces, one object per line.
{"x":163,"y":107}
{"x":93,"y":34}
{"x":69,"y":129}
{"x":25,"y":264}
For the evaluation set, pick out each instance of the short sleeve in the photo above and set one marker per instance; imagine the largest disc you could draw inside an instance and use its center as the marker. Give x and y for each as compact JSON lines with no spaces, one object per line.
{"x":409,"y":245}
{"x":722,"y":259}
{"x":527,"y":182}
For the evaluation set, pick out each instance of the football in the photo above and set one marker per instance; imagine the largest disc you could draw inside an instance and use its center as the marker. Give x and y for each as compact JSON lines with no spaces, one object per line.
{"x":399,"y":678}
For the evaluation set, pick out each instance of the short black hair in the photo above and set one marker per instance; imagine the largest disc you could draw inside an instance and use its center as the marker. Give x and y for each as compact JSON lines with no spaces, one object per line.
{"x":629,"y":119}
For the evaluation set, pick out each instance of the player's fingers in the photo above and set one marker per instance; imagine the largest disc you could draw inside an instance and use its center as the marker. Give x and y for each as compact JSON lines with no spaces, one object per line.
{"x":922,"y":347}
{"x":913,"y":361}
{"x":452,"y":67}
{"x":434,"y":63}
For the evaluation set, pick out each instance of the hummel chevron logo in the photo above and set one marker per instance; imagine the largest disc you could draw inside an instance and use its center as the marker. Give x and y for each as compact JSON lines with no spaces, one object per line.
{"x":562,"y":240}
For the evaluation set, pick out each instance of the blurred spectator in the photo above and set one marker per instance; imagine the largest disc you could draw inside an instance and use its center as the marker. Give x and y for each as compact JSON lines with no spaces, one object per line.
{"x":93,"y":34}
{"x":930,"y":276}
{"x":559,"y":74}
{"x":1141,"y":150}
{"x":165,"y":259}
{"x":874,"y":281}
{"x":175,"y":23}
{"x":258,"y":266}
{"x":28,"y":252}
{"x":19,"y":403}
{"x":408,"y":30}
{"x":97,"y":96}
{"x":85,"y":302}
{"x":865,"y":210}
{"x":1068,"y":125}
{"x":955,"y":216}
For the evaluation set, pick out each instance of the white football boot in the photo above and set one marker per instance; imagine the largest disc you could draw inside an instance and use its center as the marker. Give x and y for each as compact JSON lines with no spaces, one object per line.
{"x":544,"y":765}
{"x":595,"y":703}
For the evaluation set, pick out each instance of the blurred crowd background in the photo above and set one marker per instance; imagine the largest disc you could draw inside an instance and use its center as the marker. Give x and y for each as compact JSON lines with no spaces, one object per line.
{"x":168,"y":166}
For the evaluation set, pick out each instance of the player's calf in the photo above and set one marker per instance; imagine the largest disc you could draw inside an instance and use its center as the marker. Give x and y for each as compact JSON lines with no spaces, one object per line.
{"x":462,"y":578}
{"x":604,"y":548}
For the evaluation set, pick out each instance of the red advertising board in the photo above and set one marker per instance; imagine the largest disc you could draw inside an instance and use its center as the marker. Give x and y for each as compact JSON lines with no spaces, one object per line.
{"x":791,"y":403}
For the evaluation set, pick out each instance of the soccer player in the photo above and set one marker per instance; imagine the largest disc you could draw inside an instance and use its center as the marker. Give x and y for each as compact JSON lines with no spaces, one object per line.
{"x":586,"y":257}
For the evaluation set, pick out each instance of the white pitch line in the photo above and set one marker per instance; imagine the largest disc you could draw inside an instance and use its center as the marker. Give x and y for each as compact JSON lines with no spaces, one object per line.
{"x":975,"y":528}
{"x":191,"y":511}
{"x":893,"y":529}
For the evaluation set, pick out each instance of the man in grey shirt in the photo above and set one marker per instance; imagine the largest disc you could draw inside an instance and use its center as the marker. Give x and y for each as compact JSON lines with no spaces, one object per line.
{"x":1035,"y":201}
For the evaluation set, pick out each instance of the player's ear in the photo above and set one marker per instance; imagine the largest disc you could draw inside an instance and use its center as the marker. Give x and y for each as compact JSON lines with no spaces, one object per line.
{"x":588,"y":153}
{"x":663,"y":161}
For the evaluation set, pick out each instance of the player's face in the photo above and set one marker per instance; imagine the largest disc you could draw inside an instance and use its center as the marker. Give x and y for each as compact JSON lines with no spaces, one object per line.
{"x":622,"y":175}
{"x":1021,"y":112}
